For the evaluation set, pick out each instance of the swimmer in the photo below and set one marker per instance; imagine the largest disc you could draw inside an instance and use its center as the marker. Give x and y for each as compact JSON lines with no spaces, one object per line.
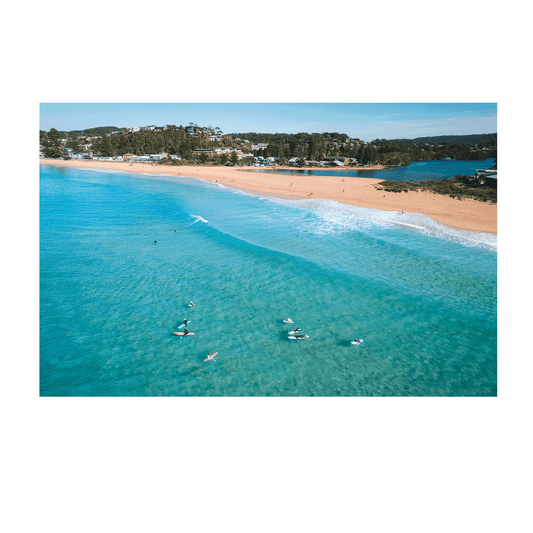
{"x":191,"y":304}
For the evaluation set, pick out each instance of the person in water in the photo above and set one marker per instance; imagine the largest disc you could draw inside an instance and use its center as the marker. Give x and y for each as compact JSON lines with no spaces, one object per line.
{"x":209,"y":357}
{"x":191,"y":304}
{"x":185,"y":331}
{"x":185,"y":322}
{"x":155,"y":242}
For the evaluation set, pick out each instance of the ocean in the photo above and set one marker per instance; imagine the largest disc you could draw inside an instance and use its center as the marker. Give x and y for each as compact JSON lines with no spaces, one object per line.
{"x":421,"y":295}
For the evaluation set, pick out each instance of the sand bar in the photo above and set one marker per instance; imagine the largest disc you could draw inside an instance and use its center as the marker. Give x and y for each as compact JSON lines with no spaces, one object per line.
{"x":467,"y":214}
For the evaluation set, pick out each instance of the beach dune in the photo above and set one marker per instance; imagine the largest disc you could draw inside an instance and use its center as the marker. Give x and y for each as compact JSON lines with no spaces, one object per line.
{"x":466,"y":214}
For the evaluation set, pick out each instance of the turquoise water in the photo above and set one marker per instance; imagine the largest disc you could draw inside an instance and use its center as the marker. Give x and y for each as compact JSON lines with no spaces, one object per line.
{"x":416,"y":171}
{"x":422,"y":296}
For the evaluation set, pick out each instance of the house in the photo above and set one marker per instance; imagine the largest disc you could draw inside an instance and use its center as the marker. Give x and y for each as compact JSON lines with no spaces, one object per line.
{"x":339,"y":161}
{"x":215,"y":138}
{"x":259,"y":146}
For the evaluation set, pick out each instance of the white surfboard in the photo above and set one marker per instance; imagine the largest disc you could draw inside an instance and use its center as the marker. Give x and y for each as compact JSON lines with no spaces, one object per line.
{"x":298,"y":338}
{"x":289,"y":321}
{"x":295,"y":331}
{"x":358,"y":343}
{"x":212,"y":356}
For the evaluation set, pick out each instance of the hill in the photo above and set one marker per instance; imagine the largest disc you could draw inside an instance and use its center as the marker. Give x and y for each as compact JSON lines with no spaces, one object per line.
{"x":89,"y":132}
{"x":479,"y":139}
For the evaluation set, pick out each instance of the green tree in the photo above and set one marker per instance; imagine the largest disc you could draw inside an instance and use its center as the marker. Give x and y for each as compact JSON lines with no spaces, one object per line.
{"x":105,"y":147}
{"x":52,"y":147}
{"x":234,"y":158}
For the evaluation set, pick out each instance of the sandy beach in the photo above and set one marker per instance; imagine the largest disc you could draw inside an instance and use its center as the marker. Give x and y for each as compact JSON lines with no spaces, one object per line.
{"x":467,"y":214}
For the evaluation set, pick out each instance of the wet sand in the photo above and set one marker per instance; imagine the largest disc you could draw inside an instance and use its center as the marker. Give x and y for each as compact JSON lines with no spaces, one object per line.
{"x":467,"y":214}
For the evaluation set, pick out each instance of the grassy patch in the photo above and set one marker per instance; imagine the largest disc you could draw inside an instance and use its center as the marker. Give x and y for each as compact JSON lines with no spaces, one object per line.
{"x":458,"y":187}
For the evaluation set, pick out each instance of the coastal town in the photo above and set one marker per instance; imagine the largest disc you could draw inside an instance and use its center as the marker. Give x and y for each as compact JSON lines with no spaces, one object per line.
{"x":192,"y":144}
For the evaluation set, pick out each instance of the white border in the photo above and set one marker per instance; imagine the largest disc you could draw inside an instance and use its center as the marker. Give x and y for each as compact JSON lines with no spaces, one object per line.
{"x":31,"y":95}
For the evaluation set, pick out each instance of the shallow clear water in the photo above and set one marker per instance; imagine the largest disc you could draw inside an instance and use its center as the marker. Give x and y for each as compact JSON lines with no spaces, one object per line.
{"x":422,"y":296}
{"x":416,"y":171}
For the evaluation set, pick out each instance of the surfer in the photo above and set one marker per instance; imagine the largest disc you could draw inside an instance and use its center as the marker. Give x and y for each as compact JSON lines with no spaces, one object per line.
{"x":209,"y":357}
{"x":155,"y":242}
{"x":289,"y":321}
{"x":185,"y":331}
{"x":191,"y":304}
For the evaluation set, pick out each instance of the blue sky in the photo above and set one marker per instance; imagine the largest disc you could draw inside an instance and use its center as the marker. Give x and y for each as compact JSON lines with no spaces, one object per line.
{"x":364,"y":121}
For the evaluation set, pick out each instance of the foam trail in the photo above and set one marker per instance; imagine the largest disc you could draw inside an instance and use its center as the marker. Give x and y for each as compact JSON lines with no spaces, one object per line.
{"x":336,"y":217}
{"x":198,"y":219}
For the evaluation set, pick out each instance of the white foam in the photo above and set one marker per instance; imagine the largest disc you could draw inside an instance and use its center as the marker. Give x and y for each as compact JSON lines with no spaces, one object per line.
{"x":198,"y":219}
{"x":336,"y":217}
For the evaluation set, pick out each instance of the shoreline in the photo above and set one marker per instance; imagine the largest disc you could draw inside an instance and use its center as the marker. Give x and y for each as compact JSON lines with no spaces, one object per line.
{"x":468,"y":214}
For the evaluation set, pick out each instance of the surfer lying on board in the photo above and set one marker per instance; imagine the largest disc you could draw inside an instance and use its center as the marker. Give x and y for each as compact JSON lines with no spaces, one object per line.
{"x":209,"y":357}
{"x":289,"y":321}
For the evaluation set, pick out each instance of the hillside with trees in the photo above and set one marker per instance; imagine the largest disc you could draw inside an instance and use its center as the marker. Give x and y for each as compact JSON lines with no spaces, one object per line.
{"x":182,"y":141}
{"x":481,"y":139}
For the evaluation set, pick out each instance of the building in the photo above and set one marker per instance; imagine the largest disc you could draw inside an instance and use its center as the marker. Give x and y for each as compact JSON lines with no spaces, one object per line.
{"x":258,"y":146}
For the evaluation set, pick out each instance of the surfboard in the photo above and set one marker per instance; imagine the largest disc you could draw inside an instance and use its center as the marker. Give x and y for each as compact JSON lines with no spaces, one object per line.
{"x":358,"y":343}
{"x":294,"y":331}
{"x":181,"y":333}
{"x":298,"y":338}
{"x":209,"y":358}
{"x":183,"y":325}
{"x":289,"y":321}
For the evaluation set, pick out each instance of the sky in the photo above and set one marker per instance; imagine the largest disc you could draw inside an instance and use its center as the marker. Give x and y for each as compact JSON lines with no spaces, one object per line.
{"x":365,"y":121}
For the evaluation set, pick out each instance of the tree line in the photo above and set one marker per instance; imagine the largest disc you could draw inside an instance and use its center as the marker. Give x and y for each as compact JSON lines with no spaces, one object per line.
{"x":179,"y":141}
